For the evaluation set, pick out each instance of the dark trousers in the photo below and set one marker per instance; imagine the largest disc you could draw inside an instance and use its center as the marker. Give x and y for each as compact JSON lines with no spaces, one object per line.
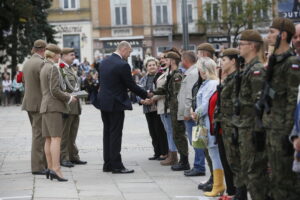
{"x":157,"y":133}
{"x":17,"y":96}
{"x":112,"y":139}
{"x":227,"y":170}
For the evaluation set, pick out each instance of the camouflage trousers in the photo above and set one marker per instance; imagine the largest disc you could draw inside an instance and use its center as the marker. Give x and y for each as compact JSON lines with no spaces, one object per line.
{"x":233,"y":156}
{"x":179,"y":135}
{"x":284,"y":183}
{"x":254,"y":166}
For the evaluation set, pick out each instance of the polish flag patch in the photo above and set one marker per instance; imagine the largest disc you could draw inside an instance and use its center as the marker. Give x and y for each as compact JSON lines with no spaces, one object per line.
{"x":295,"y":66}
{"x":257,"y":72}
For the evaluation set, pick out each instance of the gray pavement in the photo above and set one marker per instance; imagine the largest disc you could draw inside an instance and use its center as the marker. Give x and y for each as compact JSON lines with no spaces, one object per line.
{"x":149,"y":182}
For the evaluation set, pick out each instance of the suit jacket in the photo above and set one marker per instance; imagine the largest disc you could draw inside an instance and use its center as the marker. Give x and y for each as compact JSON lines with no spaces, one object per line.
{"x":115,"y":79}
{"x":54,"y":99}
{"x":31,"y":78}
{"x":75,"y":108}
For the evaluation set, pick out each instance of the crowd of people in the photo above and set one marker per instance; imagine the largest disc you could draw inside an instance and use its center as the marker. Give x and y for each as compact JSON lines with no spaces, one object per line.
{"x":240,"y":116}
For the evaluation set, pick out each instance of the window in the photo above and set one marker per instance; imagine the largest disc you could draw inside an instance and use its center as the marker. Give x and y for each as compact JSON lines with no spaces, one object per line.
{"x":190,"y":13}
{"x":70,"y":4}
{"x":215,"y":11}
{"x":161,"y":14}
{"x":121,"y":15}
{"x":120,"y":10}
{"x":208,"y":11}
{"x":261,"y":9}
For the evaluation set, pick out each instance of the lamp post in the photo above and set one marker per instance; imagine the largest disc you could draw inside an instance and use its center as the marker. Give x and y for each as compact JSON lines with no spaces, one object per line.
{"x":185,"y":25}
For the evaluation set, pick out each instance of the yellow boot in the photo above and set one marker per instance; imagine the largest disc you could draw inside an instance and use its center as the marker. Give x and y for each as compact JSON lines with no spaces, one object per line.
{"x":218,"y":186}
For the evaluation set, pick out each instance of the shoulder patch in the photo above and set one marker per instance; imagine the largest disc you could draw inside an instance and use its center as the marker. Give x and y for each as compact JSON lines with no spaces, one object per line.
{"x":295,"y":66}
{"x":256,"y":72}
{"x":177,"y":79}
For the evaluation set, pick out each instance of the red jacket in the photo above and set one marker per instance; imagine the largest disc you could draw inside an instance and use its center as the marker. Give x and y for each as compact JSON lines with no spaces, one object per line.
{"x":211,"y":111}
{"x":19,"y":77}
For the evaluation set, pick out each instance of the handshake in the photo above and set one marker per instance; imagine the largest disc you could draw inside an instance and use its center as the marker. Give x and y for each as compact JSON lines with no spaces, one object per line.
{"x":147,"y":101}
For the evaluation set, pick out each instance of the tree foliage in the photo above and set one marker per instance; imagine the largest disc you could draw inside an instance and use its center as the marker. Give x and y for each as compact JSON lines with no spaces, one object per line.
{"x":231,"y":17}
{"x":21,"y":23}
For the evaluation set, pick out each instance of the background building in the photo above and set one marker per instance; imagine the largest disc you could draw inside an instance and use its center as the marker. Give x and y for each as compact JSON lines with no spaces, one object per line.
{"x":72,"y":21}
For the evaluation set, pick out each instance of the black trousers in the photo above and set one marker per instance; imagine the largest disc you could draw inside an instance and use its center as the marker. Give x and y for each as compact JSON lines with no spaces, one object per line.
{"x":227,"y":170}
{"x":112,"y":139}
{"x":157,"y":133}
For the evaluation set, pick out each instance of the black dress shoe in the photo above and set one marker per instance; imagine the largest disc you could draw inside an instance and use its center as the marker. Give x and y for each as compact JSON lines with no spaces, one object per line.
{"x":122,"y":171}
{"x":42,"y":172}
{"x":107,"y":169}
{"x":66,"y":163}
{"x":53,"y":175}
{"x":194,"y":172}
{"x":207,"y":185}
{"x":154,"y":158}
{"x":180,"y":166}
{"x":78,"y":162}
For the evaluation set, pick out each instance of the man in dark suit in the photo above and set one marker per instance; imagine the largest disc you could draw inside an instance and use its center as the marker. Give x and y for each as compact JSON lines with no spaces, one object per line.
{"x":113,"y":99}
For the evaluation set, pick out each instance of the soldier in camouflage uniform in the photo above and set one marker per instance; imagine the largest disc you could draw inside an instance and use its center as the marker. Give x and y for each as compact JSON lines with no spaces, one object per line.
{"x":279,"y":122}
{"x":229,"y":66}
{"x":171,"y":89}
{"x":253,"y":163}
{"x":69,"y":150}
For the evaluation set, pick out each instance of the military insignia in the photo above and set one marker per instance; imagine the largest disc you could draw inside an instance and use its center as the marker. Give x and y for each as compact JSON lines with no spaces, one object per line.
{"x":257,"y":72}
{"x":295,"y":66}
{"x":177,"y":79}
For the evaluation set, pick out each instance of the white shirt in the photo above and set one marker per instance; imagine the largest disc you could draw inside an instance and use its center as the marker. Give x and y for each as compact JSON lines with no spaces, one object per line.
{"x":6,"y":85}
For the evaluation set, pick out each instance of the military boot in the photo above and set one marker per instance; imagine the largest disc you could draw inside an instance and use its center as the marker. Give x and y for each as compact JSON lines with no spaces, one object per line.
{"x":182,"y":165}
{"x":241,"y":193}
{"x":172,"y":159}
{"x":207,"y":186}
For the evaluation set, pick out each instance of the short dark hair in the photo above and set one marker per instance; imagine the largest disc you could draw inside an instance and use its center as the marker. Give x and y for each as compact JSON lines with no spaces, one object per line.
{"x":190,"y":56}
{"x":289,"y":37}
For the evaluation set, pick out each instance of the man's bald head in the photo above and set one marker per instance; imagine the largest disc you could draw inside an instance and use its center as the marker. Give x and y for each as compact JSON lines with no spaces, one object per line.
{"x":296,"y":39}
{"x":124,"y":49}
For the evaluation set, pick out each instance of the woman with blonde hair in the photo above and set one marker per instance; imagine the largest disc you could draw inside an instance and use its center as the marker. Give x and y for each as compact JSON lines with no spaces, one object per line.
{"x":54,"y":104}
{"x":207,"y":69}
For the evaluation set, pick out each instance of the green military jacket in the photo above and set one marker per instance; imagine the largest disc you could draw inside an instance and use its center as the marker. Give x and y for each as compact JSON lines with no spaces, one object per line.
{"x":227,"y":95}
{"x":251,"y":85}
{"x":285,"y":82}
{"x":171,"y":89}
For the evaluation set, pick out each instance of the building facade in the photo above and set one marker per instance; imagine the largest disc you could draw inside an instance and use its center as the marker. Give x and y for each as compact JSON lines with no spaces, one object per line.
{"x":72,"y":21}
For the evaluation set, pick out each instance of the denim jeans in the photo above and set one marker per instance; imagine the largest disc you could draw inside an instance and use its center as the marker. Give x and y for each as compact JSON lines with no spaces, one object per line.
{"x":199,"y":160}
{"x":166,"y":120}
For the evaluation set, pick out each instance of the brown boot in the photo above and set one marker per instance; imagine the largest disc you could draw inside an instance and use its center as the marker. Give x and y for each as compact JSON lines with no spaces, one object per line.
{"x":171,"y":159}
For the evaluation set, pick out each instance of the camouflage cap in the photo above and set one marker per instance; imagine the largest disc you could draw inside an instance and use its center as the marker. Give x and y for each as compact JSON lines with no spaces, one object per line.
{"x":54,"y":48}
{"x":173,"y":55}
{"x":251,"y":35}
{"x":284,"y":24}
{"x":39,"y":44}
{"x":67,"y":50}
{"x":206,"y":47}
{"x":230,"y":52}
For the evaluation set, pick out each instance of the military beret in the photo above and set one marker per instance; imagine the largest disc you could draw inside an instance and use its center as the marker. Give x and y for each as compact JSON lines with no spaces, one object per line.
{"x":230,"y":52}
{"x":67,"y":50}
{"x":173,"y":55}
{"x":54,"y":48}
{"x":206,"y":47}
{"x":251,"y":35}
{"x":284,"y":24}
{"x":39,"y":44}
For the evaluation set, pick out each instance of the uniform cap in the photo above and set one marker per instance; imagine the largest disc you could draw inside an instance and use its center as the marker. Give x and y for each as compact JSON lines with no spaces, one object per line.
{"x":251,"y":35}
{"x":173,"y":55}
{"x":206,"y":47}
{"x":284,"y":24}
{"x":39,"y":44}
{"x":54,"y":48}
{"x":67,"y":50}
{"x":230,"y":52}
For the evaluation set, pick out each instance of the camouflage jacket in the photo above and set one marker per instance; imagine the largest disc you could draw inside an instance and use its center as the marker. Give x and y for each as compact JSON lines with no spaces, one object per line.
{"x":285,"y":82}
{"x":251,"y":85}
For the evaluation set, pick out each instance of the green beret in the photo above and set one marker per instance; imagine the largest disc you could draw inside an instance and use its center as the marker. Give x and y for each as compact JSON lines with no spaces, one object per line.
{"x":67,"y":50}
{"x":206,"y":47}
{"x":53,"y":48}
{"x":284,"y":24}
{"x":230,"y":52}
{"x":39,"y":44}
{"x":173,"y":55}
{"x":251,"y":35}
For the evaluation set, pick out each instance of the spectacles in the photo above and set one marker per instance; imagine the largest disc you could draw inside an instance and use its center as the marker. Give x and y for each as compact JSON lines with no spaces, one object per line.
{"x":243,"y":44}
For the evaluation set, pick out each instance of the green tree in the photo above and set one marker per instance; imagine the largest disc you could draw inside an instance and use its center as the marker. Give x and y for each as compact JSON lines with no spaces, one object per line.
{"x":237,"y":15}
{"x":21,"y":23}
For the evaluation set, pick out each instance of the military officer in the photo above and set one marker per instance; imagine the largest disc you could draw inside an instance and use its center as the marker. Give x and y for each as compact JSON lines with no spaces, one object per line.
{"x":171,"y":89}
{"x":69,"y":151}
{"x":279,"y":122}
{"x":205,"y":50}
{"x":32,"y":102}
{"x":253,"y":163}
